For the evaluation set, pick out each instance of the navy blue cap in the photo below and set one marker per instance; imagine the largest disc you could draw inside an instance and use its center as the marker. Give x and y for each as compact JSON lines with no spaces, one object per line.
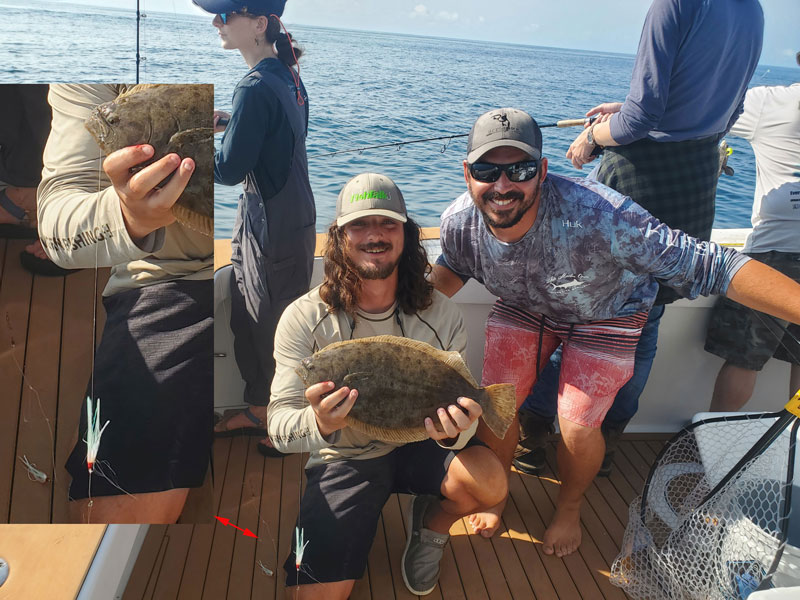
{"x":253,"y":7}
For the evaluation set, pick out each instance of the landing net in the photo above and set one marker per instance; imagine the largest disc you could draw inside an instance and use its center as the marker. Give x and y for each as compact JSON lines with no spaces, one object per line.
{"x":712,"y":521}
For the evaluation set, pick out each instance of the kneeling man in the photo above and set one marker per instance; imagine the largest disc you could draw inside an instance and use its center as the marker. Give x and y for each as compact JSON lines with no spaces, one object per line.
{"x":374,"y":284}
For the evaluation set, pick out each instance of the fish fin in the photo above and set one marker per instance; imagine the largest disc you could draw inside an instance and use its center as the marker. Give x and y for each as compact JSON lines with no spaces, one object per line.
{"x":501,"y":408}
{"x":192,"y":220}
{"x":455,"y":360}
{"x":384,"y":434}
{"x":138,"y":88}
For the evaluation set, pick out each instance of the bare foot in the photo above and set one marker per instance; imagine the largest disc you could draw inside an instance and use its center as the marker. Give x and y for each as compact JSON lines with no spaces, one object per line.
{"x":36,"y":249}
{"x":487,"y":522}
{"x":563,"y":536}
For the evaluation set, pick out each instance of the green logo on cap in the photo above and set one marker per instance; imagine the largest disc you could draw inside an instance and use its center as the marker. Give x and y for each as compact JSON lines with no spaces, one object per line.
{"x":381,"y":195}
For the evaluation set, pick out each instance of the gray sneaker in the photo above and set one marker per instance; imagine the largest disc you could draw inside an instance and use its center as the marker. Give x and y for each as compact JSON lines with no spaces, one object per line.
{"x":424,"y":549}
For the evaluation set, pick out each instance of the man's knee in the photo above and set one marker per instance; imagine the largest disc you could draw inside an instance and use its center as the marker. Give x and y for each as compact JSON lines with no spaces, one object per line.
{"x":478,"y":472}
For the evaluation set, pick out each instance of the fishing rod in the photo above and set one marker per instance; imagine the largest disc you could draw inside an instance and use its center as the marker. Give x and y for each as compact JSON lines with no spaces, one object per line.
{"x":561,"y":123}
{"x":138,"y":17}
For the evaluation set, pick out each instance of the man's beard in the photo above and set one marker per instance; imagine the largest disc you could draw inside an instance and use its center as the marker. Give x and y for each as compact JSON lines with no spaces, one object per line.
{"x":376,"y":271}
{"x":508,"y":218}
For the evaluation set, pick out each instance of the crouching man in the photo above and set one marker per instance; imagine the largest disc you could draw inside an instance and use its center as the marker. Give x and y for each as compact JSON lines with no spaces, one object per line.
{"x":374,"y":284}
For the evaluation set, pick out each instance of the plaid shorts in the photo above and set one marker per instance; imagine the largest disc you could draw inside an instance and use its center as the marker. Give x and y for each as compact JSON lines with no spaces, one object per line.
{"x":747,"y":338}
{"x":597,"y":358}
{"x":676,"y":182}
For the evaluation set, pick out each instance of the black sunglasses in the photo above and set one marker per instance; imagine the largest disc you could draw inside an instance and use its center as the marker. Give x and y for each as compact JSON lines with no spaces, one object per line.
{"x":516,"y":172}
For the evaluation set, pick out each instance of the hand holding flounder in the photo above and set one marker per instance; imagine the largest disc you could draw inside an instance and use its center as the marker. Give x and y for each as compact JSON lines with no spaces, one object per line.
{"x":172,"y":118}
{"x":400,"y":383}
{"x":145,"y":208}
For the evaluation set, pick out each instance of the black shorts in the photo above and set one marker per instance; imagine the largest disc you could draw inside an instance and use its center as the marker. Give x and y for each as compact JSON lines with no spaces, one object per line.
{"x":153,"y":376}
{"x":747,"y":338}
{"x":343,"y":500}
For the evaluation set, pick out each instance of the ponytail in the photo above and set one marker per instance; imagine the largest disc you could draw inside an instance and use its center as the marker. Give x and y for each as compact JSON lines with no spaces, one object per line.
{"x":288,"y":53}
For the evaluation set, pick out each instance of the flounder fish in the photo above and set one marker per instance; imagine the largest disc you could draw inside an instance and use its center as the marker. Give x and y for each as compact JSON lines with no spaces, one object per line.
{"x":402,"y":381}
{"x":171,"y":118}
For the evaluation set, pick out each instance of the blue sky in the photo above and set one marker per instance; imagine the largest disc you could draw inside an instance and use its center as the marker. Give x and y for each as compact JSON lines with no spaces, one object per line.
{"x":581,"y":24}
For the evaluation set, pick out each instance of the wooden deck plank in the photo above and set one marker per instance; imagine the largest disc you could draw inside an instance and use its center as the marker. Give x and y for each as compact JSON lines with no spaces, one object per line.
{"x":175,"y":550}
{"x":197,"y":561}
{"x":293,"y":480}
{"x":267,"y":550}
{"x":77,"y":345}
{"x":379,"y":584}
{"x":146,"y":567}
{"x":243,"y":565}
{"x":494,"y":577}
{"x":516,"y":551}
{"x":535,"y":509}
{"x":470,"y":568}
{"x":510,"y":565}
{"x":15,"y":293}
{"x":588,"y":555}
{"x":30,"y":501}
{"x":224,"y":536}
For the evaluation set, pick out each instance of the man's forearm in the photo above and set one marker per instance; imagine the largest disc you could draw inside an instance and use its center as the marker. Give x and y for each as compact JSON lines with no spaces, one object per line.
{"x":444,"y":280}
{"x":764,"y":289}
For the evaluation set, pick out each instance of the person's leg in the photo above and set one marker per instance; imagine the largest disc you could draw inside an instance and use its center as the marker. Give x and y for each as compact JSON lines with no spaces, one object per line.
{"x":155,"y":507}
{"x":626,"y":402}
{"x":597,"y":360}
{"x":537,"y":417}
{"x":338,"y":515}
{"x":580,"y":453}
{"x":515,"y":342}
{"x":475,"y":480}
{"x":152,"y":374}
{"x":447,"y":486}
{"x":733,"y":388}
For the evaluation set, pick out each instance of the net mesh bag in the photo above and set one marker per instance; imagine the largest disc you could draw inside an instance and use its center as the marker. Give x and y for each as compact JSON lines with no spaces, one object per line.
{"x":711,"y":522}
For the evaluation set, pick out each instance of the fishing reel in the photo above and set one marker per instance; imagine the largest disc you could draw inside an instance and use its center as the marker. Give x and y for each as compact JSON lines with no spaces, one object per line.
{"x":724,"y":153}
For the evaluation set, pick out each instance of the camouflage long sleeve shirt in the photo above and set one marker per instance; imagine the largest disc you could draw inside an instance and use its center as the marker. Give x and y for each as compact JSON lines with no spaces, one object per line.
{"x":592,"y":254}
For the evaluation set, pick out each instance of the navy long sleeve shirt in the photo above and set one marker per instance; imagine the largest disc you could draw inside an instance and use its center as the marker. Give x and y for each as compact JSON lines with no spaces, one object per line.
{"x":694,"y":62}
{"x":258,"y":137}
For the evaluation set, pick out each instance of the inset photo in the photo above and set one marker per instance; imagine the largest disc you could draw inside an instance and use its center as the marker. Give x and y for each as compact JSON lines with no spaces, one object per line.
{"x":106,"y":266}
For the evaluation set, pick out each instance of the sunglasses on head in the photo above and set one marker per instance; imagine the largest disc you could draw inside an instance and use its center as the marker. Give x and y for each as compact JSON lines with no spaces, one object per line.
{"x":520,"y":171}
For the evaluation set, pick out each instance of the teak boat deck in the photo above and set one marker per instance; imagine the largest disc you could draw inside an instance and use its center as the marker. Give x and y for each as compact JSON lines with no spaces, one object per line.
{"x":46,"y":341}
{"x":214,"y":561}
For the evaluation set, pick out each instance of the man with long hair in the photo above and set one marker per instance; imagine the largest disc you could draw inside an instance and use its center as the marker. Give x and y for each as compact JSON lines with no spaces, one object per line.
{"x":375,"y":269}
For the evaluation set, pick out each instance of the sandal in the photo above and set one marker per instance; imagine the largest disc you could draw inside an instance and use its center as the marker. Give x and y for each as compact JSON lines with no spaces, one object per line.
{"x":258,"y":430}
{"x":43,"y":266}
{"x":16,"y":231}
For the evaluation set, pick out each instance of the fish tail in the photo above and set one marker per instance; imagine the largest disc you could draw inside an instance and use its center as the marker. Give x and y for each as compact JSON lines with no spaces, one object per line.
{"x":500,"y":409}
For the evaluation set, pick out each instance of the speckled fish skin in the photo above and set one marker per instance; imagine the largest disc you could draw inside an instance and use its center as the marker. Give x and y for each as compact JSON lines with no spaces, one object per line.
{"x":400,"y":382}
{"x":171,"y":118}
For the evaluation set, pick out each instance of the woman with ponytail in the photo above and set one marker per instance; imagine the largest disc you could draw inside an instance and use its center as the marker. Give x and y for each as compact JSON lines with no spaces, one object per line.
{"x":263,"y":146}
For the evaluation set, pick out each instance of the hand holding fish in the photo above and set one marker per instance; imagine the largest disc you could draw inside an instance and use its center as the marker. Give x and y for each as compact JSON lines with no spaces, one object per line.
{"x":330,"y":407}
{"x":454,"y":420}
{"x":145,"y":208}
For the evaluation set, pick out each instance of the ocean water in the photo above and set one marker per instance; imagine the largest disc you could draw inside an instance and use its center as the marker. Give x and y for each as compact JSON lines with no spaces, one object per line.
{"x":364,"y":88}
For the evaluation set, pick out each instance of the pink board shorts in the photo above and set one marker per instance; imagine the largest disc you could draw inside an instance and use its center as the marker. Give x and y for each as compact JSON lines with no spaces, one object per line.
{"x":597,"y":358}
